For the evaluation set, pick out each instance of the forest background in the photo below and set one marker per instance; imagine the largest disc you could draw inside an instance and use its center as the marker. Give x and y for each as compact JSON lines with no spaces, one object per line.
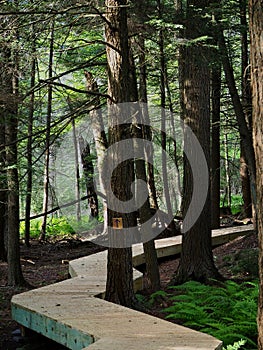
{"x":54,"y":73}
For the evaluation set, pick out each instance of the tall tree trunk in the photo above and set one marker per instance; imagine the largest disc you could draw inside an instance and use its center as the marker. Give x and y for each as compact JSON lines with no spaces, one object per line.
{"x":163,"y":78}
{"x":247,"y":106}
{"x":215,"y":148}
{"x":256,"y":51}
{"x":100,"y":138}
{"x":147,"y":133}
{"x":245,"y":134}
{"x":3,"y":188}
{"x":77,"y":172}
{"x":119,"y":286}
{"x":144,"y":132}
{"x":30,"y":140}
{"x":227,"y":171}
{"x":48,"y":131}
{"x":196,"y":258}
{"x":15,"y":276}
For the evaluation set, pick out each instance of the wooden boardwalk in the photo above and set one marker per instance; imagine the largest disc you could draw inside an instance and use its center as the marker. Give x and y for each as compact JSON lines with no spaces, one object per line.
{"x":74,"y":314}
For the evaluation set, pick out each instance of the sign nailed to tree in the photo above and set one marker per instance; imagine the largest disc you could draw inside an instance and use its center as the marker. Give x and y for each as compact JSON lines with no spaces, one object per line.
{"x":117,"y":223}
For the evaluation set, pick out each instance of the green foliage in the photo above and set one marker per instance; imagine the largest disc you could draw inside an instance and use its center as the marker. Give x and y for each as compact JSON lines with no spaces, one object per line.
{"x":228,"y":312}
{"x":237,"y":345}
{"x":56,"y":227}
{"x":35,"y":228}
{"x":157,"y":295}
{"x":236,"y":203}
{"x":60,"y":227}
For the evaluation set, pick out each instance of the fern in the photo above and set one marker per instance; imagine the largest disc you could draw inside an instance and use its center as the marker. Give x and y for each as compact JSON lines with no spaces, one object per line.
{"x":156,"y":295}
{"x":236,"y":345}
{"x":227,"y":312}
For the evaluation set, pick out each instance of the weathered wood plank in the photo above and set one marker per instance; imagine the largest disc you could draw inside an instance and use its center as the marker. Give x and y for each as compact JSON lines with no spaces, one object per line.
{"x":69,"y":313}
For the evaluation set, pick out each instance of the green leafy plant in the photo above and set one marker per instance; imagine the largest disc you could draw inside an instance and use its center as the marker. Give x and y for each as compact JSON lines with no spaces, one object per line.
{"x":227,"y":312}
{"x":236,"y":346}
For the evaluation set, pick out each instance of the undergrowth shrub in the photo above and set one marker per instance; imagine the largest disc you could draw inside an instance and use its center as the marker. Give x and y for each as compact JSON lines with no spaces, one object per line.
{"x":59,"y":227}
{"x":227,"y":313}
{"x":55,"y":227}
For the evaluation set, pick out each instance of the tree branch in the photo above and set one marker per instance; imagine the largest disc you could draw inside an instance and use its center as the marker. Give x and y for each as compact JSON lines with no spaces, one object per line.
{"x":93,"y":93}
{"x":69,"y":204}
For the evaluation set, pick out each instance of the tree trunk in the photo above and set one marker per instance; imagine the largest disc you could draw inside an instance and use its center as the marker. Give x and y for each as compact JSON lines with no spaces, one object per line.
{"x":256,"y":51}
{"x":196,"y":258}
{"x":215,"y":149}
{"x":163,"y":78}
{"x":15,"y":276}
{"x":245,"y":182}
{"x":245,"y":134}
{"x":3,"y":190}
{"x":77,"y":173}
{"x":151,"y":261}
{"x":30,"y":141}
{"x":228,"y":176}
{"x":88,"y":172}
{"x":147,"y":133}
{"x":119,"y":286}
{"x":47,"y":144}
{"x":247,"y":106}
{"x":100,"y":138}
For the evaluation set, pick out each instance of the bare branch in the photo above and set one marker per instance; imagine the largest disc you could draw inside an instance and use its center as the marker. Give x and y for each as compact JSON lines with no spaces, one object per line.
{"x":64,"y":206}
{"x":93,"y":93}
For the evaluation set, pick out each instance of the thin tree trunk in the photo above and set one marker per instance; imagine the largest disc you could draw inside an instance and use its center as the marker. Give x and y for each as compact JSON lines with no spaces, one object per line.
{"x":30,"y":141}
{"x":163,"y":115}
{"x":245,"y":182}
{"x":3,"y":190}
{"x":88,"y":171}
{"x":215,"y":149}
{"x":247,"y":106}
{"x":77,"y":173}
{"x":256,"y":52}
{"x":227,"y":171}
{"x":47,"y":143}
{"x":147,"y":134}
{"x":100,"y":138}
{"x":245,"y":134}
{"x":151,"y":261}
{"x":15,"y":276}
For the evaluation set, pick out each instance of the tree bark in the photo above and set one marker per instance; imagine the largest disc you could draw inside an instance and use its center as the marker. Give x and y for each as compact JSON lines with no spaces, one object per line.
{"x":196,"y":258}
{"x":10,"y":93}
{"x":228,"y":175}
{"x":88,"y":171}
{"x":119,"y":286}
{"x":256,"y":52}
{"x":30,"y":141}
{"x":47,"y":144}
{"x":147,"y":133}
{"x":245,"y":134}
{"x":215,"y":148}
{"x":3,"y":190}
{"x":100,"y":138}
{"x":247,"y":106}
{"x":77,"y":173}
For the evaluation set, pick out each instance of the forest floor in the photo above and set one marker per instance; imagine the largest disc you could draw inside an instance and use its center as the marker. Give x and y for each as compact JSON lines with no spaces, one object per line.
{"x":47,"y":263}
